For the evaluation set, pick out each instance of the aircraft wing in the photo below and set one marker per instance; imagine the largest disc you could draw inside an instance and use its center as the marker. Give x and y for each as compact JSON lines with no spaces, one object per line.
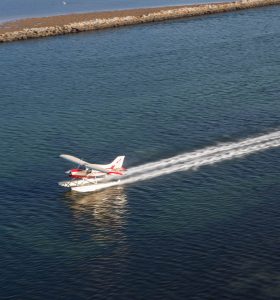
{"x":84,"y":163}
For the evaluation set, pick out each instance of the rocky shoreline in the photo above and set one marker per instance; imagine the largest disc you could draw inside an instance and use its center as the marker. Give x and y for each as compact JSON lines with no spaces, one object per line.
{"x":60,"y":25}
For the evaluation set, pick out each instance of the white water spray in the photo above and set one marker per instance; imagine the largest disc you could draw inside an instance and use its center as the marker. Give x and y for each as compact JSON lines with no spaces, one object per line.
{"x":194,"y":160}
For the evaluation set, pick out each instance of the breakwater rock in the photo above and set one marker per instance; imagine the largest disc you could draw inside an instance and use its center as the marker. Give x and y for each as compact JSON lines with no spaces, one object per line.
{"x":60,"y":25}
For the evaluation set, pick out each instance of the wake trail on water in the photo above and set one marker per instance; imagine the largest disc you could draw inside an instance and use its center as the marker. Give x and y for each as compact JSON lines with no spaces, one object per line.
{"x":198,"y":158}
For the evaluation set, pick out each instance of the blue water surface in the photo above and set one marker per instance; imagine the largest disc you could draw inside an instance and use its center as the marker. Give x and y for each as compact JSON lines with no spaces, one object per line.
{"x":18,"y":9}
{"x":149,"y":92}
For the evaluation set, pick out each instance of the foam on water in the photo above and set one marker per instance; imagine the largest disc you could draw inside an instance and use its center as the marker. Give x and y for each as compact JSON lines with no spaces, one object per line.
{"x":196,"y":159}
{"x":178,"y":87}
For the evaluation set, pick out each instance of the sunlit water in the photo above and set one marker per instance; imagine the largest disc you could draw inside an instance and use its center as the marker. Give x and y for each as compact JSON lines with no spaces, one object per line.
{"x":150,"y":92}
{"x":17,"y":9}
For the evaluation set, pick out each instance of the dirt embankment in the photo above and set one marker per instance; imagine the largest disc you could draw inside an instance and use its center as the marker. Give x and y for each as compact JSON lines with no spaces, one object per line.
{"x":59,"y":25}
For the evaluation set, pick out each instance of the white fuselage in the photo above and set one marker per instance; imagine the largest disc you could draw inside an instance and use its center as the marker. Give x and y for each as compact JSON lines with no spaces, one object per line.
{"x":91,"y":177}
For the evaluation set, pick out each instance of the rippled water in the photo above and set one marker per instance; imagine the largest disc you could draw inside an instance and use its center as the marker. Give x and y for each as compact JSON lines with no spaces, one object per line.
{"x":149,"y":92}
{"x":16,"y":9}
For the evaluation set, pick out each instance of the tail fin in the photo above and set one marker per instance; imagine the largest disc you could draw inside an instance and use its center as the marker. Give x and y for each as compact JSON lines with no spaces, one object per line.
{"x":117,"y":163}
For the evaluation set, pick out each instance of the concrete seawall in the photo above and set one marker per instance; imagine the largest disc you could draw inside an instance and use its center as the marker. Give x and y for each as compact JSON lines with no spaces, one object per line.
{"x":59,"y":25}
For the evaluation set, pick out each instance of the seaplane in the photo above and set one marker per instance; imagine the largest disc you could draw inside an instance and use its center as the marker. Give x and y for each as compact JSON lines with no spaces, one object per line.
{"x":88,"y":177}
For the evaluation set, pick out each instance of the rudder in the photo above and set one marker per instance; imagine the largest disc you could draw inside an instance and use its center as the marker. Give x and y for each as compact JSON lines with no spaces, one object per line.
{"x":117,"y":163}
